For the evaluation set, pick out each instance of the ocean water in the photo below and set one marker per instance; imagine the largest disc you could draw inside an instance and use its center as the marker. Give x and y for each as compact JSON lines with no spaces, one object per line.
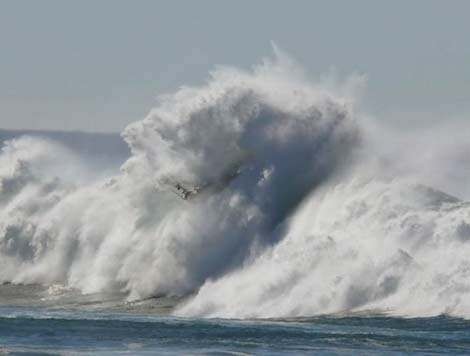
{"x":43,"y":331}
{"x":259,"y":213}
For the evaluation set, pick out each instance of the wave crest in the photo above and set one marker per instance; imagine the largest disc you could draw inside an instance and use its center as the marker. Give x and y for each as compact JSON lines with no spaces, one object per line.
{"x":131,"y":234}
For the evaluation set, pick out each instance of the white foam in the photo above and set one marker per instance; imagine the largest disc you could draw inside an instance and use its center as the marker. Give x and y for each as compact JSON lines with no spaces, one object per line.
{"x":322,"y":219}
{"x":130,"y":234}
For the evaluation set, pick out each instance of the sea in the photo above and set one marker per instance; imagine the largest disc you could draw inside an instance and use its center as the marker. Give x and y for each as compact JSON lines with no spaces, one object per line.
{"x":259,"y":213}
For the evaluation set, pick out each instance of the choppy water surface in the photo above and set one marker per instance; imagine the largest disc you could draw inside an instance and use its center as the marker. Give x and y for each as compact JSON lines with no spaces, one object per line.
{"x":24,"y":330}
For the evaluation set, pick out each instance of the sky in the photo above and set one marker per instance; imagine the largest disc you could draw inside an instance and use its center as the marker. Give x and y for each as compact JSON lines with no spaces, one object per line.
{"x":99,"y":65}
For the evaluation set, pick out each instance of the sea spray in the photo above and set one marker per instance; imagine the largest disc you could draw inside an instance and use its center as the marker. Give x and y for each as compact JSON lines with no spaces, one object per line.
{"x":323,"y":213}
{"x":130,"y":234}
{"x":360,"y":245}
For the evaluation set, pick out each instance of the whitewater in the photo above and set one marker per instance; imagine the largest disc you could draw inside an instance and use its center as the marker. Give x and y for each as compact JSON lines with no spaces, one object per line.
{"x":331,"y":213}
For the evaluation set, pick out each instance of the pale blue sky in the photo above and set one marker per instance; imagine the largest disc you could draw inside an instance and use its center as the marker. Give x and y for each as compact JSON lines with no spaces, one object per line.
{"x":98,"y":65}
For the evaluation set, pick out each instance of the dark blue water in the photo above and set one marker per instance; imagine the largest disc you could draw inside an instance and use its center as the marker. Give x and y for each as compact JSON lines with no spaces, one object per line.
{"x":26,"y":331}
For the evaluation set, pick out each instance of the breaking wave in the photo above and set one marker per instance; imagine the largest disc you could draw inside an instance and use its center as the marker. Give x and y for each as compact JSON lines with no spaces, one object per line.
{"x":290,"y":213}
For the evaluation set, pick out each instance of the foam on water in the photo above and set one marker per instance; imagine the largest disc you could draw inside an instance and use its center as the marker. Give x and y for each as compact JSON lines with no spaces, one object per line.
{"x":316,"y":221}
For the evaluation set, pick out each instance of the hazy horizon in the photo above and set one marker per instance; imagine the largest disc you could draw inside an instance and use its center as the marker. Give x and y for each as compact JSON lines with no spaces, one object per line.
{"x":99,"y":66}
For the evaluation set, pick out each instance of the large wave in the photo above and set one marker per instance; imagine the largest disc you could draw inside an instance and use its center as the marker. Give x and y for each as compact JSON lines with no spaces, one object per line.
{"x":290,"y":216}
{"x":362,"y":245}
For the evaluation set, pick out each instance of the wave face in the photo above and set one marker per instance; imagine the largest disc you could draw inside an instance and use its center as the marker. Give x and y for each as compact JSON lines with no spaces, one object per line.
{"x":296,"y":215}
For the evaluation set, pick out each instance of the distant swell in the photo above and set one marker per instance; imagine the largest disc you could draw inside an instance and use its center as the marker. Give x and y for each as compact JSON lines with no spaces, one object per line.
{"x":293,"y":216}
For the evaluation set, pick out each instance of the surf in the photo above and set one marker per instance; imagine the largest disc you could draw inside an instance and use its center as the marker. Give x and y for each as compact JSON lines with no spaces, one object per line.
{"x":257,"y":194}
